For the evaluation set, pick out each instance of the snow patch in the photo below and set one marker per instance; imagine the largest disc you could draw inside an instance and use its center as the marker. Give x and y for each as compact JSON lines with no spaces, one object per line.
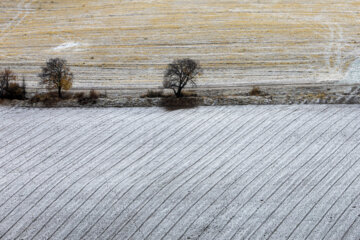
{"x":66,"y":46}
{"x":353,"y":73}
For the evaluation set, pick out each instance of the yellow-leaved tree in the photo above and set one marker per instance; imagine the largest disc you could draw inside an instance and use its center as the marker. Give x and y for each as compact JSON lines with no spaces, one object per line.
{"x":56,"y":75}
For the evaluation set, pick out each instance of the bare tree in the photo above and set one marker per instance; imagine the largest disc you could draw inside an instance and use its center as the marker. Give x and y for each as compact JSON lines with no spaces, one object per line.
{"x":56,"y":75}
{"x":179,"y":73}
{"x":5,"y":78}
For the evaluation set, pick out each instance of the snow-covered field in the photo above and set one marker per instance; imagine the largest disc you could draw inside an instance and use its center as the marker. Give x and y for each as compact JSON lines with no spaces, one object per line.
{"x":258,"y":172}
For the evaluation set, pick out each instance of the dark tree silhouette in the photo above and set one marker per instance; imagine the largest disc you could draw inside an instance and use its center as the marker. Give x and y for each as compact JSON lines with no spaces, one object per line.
{"x":179,"y":73}
{"x":56,"y":75}
{"x":5,"y":78}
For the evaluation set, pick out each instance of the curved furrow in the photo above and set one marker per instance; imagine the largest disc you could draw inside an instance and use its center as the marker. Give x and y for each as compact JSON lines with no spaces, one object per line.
{"x":169,"y":164}
{"x":349,"y":175}
{"x":185,"y":153}
{"x":336,"y":172}
{"x":231,"y":172}
{"x":32,"y":134}
{"x":326,"y":222}
{"x":168,"y":171}
{"x":60,"y":174}
{"x":68,"y":163}
{"x":15,"y":120}
{"x":353,"y":231}
{"x":37,"y":148}
{"x":212,"y":179}
{"x":275,"y":163}
{"x":110,"y":150}
{"x":52,"y":149}
{"x":245,"y":231}
{"x":34,"y":123}
{"x":175,"y":129}
{"x":27,"y":173}
{"x":337,"y":229}
{"x":208,"y":210}
{"x":121,"y":173}
{"x":196,"y":207}
{"x":192,"y":174}
{"x":213,"y":204}
{"x":29,"y":177}
{"x":10,"y":119}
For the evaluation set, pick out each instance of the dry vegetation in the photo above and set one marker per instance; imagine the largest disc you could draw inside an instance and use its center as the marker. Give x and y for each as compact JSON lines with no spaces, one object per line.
{"x":118,"y":44}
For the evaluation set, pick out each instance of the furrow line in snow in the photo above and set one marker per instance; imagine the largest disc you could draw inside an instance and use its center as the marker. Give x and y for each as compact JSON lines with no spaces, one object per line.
{"x":29,"y":141}
{"x":40,"y":161}
{"x":184,"y":128}
{"x":252,"y":172}
{"x":285,"y":181}
{"x":224,"y":176}
{"x":94,"y":178}
{"x":278,"y":157}
{"x":340,"y":196}
{"x":352,"y":227}
{"x":22,"y":129}
{"x":137,"y":161}
{"x":187,"y":155}
{"x":8,"y":119}
{"x":190,"y":142}
{"x":38,"y":147}
{"x":206,"y":192}
{"x":314,"y":186}
{"x":31,"y":179}
{"x":191,"y":176}
{"x":74,"y":130}
{"x":337,"y":220}
{"x":86,"y":153}
{"x":220,"y":195}
{"x":216,"y":181}
{"x":49,"y":178}
{"x":28,"y":135}
{"x":17,"y":127}
{"x":83,"y":137}
{"x":336,"y":187}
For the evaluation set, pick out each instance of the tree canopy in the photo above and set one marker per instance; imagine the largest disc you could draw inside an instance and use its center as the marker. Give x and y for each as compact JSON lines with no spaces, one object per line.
{"x":56,"y":75}
{"x":179,"y":73}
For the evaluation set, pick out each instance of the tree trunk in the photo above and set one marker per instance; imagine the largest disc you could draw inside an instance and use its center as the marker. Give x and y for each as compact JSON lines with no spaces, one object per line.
{"x":59,"y":92}
{"x":178,"y":93}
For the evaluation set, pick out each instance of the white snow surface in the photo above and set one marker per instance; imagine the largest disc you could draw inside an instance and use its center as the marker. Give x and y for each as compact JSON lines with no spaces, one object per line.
{"x":66,"y":46}
{"x":235,"y":172}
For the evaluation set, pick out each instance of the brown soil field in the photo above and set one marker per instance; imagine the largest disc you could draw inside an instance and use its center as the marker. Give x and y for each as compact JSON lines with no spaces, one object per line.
{"x":114,"y":44}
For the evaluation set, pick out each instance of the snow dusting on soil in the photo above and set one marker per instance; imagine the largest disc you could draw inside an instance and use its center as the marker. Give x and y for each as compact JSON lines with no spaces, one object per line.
{"x":238,"y":172}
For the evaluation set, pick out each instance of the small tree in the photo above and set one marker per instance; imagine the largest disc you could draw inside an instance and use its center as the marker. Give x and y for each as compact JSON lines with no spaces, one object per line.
{"x":5,"y":78}
{"x":179,"y":73}
{"x":56,"y":75}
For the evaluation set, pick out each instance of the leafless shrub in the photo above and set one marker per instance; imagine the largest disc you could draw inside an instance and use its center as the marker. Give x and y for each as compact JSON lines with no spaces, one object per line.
{"x":9,"y":89}
{"x":48,"y":99}
{"x":94,"y":94}
{"x":153,"y":94}
{"x":14,"y":91}
{"x":255,"y":91}
{"x":6,"y":77}
{"x":90,"y":99}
